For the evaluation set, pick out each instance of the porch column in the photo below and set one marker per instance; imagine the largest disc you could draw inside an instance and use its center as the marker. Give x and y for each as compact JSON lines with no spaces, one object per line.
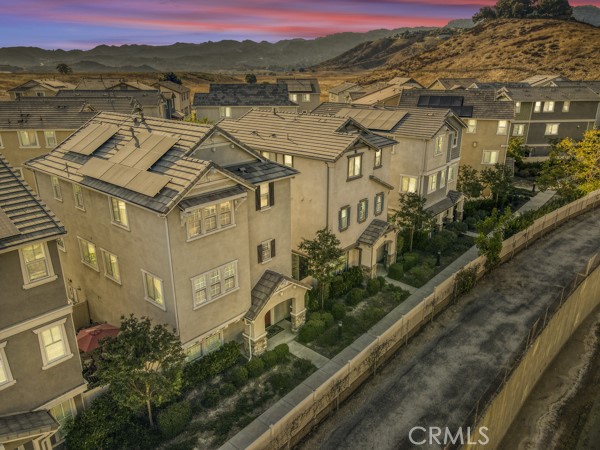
{"x":460,"y":209}
{"x":440,"y":221}
{"x":298,"y":314}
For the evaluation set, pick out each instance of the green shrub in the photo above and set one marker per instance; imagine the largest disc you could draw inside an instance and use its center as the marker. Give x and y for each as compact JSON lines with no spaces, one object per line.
{"x":399,"y":296}
{"x":465,"y":280}
{"x":355,"y":296}
{"x":396,"y":271}
{"x":174,"y":418}
{"x":282,"y":352}
{"x":239,"y":376}
{"x":471,"y":223}
{"x":441,"y":241}
{"x":211,"y":397}
{"x":421,"y":273}
{"x":339,"y":286}
{"x":188,"y":444}
{"x":457,"y":227}
{"x":281,"y":382}
{"x":310,"y":330}
{"x":328,"y":338}
{"x":323,"y":316}
{"x":211,"y":365}
{"x":303,"y":367}
{"x":338,"y":310}
{"x":409,"y":260}
{"x":269,"y":358}
{"x":227,"y":389}
{"x":255,"y":367}
{"x":354,"y":277}
{"x":399,"y":243}
{"x":382,"y":282}
{"x":373,"y":286}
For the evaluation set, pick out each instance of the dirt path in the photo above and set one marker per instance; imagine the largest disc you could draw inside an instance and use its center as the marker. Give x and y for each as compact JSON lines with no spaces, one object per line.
{"x":439,"y":376}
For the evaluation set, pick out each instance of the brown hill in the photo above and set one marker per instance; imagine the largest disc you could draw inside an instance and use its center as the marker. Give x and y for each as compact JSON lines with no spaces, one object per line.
{"x":510,"y":49}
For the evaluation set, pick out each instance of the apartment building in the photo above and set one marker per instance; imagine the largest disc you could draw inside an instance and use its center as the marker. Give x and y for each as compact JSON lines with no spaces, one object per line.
{"x":485,"y":140}
{"x":547,"y":114}
{"x":38,"y":88}
{"x":179,"y":99}
{"x":425,"y":157}
{"x":305,"y":92}
{"x":200,"y":244}
{"x":40,"y":370}
{"x":235,"y":100}
{"x":343,"y":181}
{"x":340,"y":93}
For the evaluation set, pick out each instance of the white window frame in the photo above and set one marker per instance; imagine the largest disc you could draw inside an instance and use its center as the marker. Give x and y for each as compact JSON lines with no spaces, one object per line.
{"x":537,"y":107}
{"x":352,"y":174}
{"x":207,"y":285}
{"x":518,"y":129}
{"x":78,"y":194}
{"x":432,"y":183}
{"x":549,"y":127}
{"x":47,"y":364}
{"x":566,"y":107}
{"x":56,"y":188}
{"x":50,"y":275}
{"x":52,"y":135}
{"x":517,"y":107}
{"x":288,"y":160}
{"x":490,"y":152}
{"x":6,"y":368}
{"x":20,"y":135}
{"x":161,"y":305}
{"x":408,"y":189}
{"x":198,"y":214}
{"x":502,"y":128}
{"x":83,"y":241}
{"x":443,"y":178}
{"x":439,"y":145}
{"x":205,"y":350}
{"x":548,"y":107}
{"x":118,"y":222}
{"x":471,"y":126}
{"x":378,"y":158}
{"x":106,"y":253}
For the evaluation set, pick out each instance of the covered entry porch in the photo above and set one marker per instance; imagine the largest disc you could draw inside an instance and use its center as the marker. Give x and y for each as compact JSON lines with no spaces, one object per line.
{"x":377,"y":246}
{"x":274,"y":298}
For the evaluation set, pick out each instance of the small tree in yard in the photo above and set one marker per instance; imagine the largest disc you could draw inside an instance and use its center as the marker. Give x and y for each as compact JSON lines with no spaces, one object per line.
{"x":518,"y":150}
{"x":499,"y":179}
{"x":469,"y":182}
{"x":250,"y":78}
{"x":412,"y":215}
{"x":63,"y":69}
{"x":573,"y":168}
{"x":170,"y":76}
{"x":143,"y":365}
{"x":491,"y":235}
{"x":323,"y":253}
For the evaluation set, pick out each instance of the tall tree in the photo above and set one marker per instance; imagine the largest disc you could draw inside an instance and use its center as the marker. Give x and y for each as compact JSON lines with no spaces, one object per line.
{"x":170,"y":76}
{"x":516,"y":9}
{"x":324,"y":254}
{"x":555,"y":9}
{"x":469,"y":182}
{"x":485,"y":13}
{"x":63,"y":69}
{"x":499,"y":179}
{"x":412,"y":216}
{"x":143,"y":365}
{"x":573,"y":168}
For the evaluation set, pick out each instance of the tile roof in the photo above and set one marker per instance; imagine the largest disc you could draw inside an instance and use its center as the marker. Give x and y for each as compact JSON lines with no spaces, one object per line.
{"x":88,"y":104}
{"x":101,"y":83}
{"x":446,"y":203}
{"x":417,"y":123}
{"x":343,"y":87}
{"x":211,"y":197}
{"x":373,"y":232}
{"x":594,"y":85}
{"x":173,"y":86}
{"x":265,"y":288}
{"x":53,"y":85}
{"x":145,"y":98}
{"x":257,"y":172}
{"x":43,"y":113}
{"x":476,"y":103}
{"x":570,"y":93}
{"x":304,"y":85}
{"x":402,"y":81}
{"x":303,"y":135}
{"x":24,"y":217}
{"x":537,"y":80}
{"x":26,"y":425}
{"x":379,"y":96}
{"x":455,"y":83}
{"x":496,"y":85}
{"x":248,"y":94}
{"x":181,"y":170}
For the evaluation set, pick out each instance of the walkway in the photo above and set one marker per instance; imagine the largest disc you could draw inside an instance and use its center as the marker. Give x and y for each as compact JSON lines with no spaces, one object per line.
{"x":296,"y":348}
{"x":536,"y":202}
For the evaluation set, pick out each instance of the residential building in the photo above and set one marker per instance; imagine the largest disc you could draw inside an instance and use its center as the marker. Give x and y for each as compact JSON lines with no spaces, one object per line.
{"x":340,"y":93}
{"x":150,"y":102}
{"x":451,"y":83}
{"x":387,"y":96}
{"x":426,"y":156}
{"x":547,"y":114}
{"x":40,"y":371}
{"x":305,"y":92}
{"x":31,"y":126}
{"x":342,"y":185}
{"x":158,"y":229}
{"x":484,"y":141}
{"x":235,"y":100}
{"x":111,"y":83}
{"x":179,"y":100}
{"x":543,"y":80}
{"x":379,"y":93}
{"x":38,"y":88}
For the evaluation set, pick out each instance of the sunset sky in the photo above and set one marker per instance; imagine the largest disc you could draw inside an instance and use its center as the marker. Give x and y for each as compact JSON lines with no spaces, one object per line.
{"x":70,"y":24}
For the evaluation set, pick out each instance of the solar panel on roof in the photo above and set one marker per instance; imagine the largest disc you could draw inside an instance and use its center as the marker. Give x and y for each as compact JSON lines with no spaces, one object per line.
{"x":95,"y":168}
{"x":147,"y":183}
{"x":423,"y":100}
{"x":87,"y":140}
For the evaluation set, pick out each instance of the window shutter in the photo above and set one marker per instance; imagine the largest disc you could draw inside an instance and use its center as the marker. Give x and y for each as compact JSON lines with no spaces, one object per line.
{"x":259,"y":251}
{"x":366,"y":208}
{"x":272,"y":248}
{"x":340,"y":219}
{"x":257,"y":197}
{"x":271,"y":194}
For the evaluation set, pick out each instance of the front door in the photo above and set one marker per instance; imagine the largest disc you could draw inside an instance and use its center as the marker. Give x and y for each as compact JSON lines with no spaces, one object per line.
{"x":268,"y":319}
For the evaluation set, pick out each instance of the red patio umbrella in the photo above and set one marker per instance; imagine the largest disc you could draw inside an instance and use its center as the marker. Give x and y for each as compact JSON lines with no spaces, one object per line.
{"x":89,"y":338}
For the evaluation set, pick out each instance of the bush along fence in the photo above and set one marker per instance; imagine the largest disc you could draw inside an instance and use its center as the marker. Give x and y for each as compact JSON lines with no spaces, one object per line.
{"x":301,"y":410}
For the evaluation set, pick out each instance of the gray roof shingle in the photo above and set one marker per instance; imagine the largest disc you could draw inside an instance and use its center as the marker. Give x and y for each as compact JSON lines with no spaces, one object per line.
{"x":43,"y":113}
{"x":181,"y":89}
{"x":245,"y":95}
{"x":265,"y":288}
{"x":569,"y":93}
{"x":143,"y":97}
{"x":24,"y":425}
{"x":25,"y":217}
{"x":373,"y":232}
{"x":257,"y":172}
{"x":301,"y":85}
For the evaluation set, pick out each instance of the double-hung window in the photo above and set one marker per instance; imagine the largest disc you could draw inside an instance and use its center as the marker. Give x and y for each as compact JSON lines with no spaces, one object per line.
{"x":56,"y":192}
{"x":354,"y":166}
{"x":6,"y":378}
{"x":118,"y":211}
{"x":50,"y":137}
{"x":225,"y":111}
{"x":209,"y":219}
{"x":443,"y":178}
{"x":54,"y":344}
{"x":215,"y":283}
{"x":27,"y":138}
{"x":35,"y":263}
{"x":378,"y":203}
{"x":537,"y":107}
{"x":432,"y":183}
{"x":517,"y":107}
{"x":362,"y":210}
{"x":502,"y":127}
{"x":439,"y":145}
{"x":88,"y":253}
{"x":490,"y":157}
{"x":566,"y":106}
{"x":78,"y":197}
{"x":294,"y":97}
{"x":409,"y":184}
{"x":62,"y":413}
{"x":344,"y":218}
{"x":471,"y":126}
{"x":266,"y":251}
{"x":551,"y":129}
{"x":452,"y":172}
{"x":548,"y":107}
{"x":265,"y":196}
{"x":378,"y":162}
{"x":306,"y":97}
{"x":519,"y":129}
{"x":153,"y":289}
{"x":288,"y":160}
{"x":111,"y":266}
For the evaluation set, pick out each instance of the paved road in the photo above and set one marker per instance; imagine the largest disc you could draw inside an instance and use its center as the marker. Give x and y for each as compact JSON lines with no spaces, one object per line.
{"x":438,"y":377}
